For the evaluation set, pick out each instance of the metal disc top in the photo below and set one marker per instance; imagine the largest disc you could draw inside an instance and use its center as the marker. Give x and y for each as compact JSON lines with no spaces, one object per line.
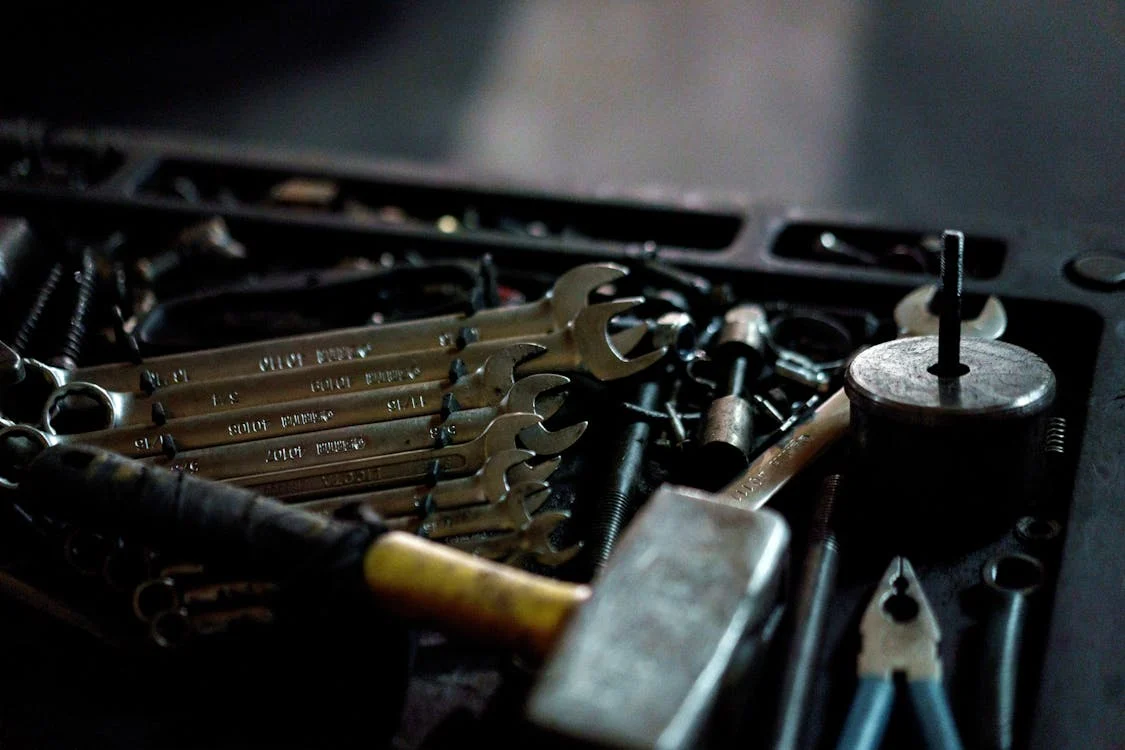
{"x":1003,"y":381}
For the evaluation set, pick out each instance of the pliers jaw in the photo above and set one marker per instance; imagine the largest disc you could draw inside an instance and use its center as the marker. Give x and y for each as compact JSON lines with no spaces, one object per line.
{"x":899,"y":630}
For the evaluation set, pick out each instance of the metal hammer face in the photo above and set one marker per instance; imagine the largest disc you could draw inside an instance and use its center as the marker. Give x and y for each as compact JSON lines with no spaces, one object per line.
{"x":687,"y":591}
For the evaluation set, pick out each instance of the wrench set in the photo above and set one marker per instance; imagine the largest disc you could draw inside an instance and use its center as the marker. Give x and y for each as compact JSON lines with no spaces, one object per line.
{"x":622,"y":420}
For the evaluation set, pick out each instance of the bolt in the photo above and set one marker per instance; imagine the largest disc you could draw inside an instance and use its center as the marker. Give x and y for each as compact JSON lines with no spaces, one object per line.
{"x":38,"y":308}
{"x":615,"y":505}
{"x":818,"y":581}
{"x":86,"y":278}
{"x":949,"y":328}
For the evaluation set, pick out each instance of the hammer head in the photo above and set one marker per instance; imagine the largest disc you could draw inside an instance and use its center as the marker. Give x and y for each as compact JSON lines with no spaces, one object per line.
{"x":672,"y":619}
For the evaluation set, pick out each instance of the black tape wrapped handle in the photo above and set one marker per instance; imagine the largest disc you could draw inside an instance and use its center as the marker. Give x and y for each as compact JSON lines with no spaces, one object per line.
{"x":223,"y":523}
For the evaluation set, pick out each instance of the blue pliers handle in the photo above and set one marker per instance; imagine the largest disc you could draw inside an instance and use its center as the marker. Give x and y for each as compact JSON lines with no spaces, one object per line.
{"x":900,"y":634}
{"x":871,"y":710}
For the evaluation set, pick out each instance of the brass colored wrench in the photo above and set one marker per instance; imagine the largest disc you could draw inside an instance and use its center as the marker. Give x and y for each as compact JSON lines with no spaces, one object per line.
{"x":552,"y":312}
{"x":379,"y":439}
{"x":531,"y":542}
{"x":511,"y":512}
{"x":392,"y":471}
{"x":585,"y":345}
{"x":488,"y":485}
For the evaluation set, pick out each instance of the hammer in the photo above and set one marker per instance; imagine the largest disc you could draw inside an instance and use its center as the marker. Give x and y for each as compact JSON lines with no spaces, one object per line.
{"x":638,"y":662}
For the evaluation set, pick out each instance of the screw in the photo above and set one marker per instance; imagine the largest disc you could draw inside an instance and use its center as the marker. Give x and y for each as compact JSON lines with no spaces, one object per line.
{"x":811,"y":612}
{"x":949,"y":327}
{"x":38,"y":308}
{"x":86,"y":279}
{"x":615,"y":505}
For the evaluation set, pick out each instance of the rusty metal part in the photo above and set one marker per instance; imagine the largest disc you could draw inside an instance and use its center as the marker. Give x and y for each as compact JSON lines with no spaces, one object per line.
{"x":172,"y":628}
{"x":158,"y":595}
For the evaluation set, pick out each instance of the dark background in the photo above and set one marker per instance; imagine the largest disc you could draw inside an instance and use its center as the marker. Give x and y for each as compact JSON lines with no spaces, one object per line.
{"x":983,"y":108}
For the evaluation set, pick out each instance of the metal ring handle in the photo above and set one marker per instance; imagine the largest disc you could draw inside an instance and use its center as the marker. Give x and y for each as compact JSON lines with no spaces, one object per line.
{"x":100,"y":395}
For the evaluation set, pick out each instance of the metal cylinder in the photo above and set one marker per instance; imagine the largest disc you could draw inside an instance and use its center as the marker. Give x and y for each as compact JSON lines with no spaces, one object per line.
{"x":726,"y":432}
{"x":725,"y":437}
{"x":942,"y":453}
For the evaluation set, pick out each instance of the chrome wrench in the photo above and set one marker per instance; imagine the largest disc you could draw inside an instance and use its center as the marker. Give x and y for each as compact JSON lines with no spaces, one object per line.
{"x":488,"y":485}
{"x":552,"y":312}
{"x":395,"y":470}
{"x":531,"y":542}
{"x":491,"y":384}
{"x":585,"y":345}
{"x":512,"y":511}
{"x":288,"y":421}
{"x":346,"y":443}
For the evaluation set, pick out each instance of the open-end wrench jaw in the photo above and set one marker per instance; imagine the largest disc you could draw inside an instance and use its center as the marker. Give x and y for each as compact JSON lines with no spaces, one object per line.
{"x":547,"y":443}
{"x":494,"y":473}
{"x":502,"y":433}
{"x":525,"y":472}
{"x":532,"y":394}
{"x":530,"y":542}
{"x":914,"y":317}
{"x":599,"y":354}
{"x":498,"y":373}
{"x":524,"y":499}
{"x":570,"y":294}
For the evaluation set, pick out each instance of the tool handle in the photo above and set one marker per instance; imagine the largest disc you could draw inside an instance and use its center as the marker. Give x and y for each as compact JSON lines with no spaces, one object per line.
{"x":779,"y":463}
{"x":939,"y":731}
{"x":167,"y":509}
{"x":410,"y":576}
{"x":868,"y":716}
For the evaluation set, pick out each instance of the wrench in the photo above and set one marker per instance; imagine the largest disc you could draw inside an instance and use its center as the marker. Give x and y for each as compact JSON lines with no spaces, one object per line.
{"x":585,"y":345}
{"x":488,"y":485}
{"x":490,"y":385}
{"x":531,"y":542}
{"x":395,"y":470}
{"x":380,"y":439}
{"x":511,"y":512}
{"x":244,"y":456}
{"x":914,"y":318}
{"x":552,"y":312}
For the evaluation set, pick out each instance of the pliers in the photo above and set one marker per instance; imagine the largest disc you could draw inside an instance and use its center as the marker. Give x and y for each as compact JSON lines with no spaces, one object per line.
{"x":899,"y":634}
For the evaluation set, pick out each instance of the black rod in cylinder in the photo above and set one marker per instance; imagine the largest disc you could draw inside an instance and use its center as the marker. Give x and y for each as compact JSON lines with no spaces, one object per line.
{"x":949,"y":329}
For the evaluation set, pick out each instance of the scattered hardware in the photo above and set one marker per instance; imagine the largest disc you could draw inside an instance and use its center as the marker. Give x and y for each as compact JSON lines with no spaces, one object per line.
{"x":436,"y":387}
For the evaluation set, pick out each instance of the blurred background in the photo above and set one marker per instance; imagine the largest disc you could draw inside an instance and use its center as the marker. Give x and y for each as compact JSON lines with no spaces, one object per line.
{"x":982,"y":108}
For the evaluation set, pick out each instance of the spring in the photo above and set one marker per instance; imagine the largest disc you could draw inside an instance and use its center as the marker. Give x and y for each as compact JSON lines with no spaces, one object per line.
{"x":1056,"y":435}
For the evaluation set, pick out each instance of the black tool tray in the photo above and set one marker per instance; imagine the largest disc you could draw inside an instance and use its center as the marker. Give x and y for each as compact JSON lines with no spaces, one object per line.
{"x":106,"y":181}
